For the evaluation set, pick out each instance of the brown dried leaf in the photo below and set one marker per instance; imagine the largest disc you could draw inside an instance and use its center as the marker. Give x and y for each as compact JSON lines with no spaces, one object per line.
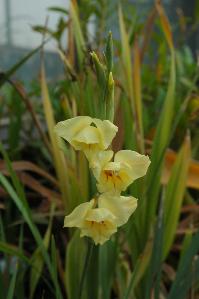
{"x":193,"y":173}
{"x":29,"y":166}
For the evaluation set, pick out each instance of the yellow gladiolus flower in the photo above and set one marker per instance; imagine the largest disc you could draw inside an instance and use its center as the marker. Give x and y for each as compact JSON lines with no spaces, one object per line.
{"x":99,"y":223}
{"x":86,"y":133}
{"x":118,"y":175}
{"x":96,"y":223}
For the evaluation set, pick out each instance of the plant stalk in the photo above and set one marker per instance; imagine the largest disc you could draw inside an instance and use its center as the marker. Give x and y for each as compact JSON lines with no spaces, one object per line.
{"x":85,"y":268}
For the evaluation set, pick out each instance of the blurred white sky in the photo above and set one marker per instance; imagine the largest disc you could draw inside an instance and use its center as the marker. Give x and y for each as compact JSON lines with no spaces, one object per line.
{"x":27,"y":13}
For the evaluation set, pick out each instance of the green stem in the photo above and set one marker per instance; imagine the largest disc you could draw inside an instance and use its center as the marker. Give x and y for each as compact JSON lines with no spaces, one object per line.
{"x":85,"y":268}
{"x":132,"y":281}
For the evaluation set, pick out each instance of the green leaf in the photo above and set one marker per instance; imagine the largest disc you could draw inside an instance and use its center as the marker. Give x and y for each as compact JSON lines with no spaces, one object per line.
{"x":109,"y":52}
{"x":139,"y":270}
{"x":137,"y":89}
{"x":58,"y":9}
{"x":155,"y":267}
{"x":163,"y":131}
{"x":78,"y":35}
{"x":6,"y":76}
{"x":58,"y":155}
{"x":107,"y":264}
{"x":15,"y":124}
{"x":37,"y":258}
{"x":75,"y":256}
{"x":174,"y":195}
{"x":54,"y":262}
{"x":90,"y":290}
{"x":23,"y":207}
{"x":43,"y":30}
{"x":103,"y":84}
{"x":134,"y":105}
{"x":126,"y":55}
{"x":188,"y":271}
{"x":14,"y":251}
{"x":11,"y":289}
{"x":15,"y":181}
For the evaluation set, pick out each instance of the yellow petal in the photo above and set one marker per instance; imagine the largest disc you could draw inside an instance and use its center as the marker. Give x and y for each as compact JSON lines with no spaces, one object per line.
{"x":99,"y":224}
{"x":69,"y":128}
{"x":107,"y":131}
{"x":88,"y":135}
{"x":120,"y":206}
{"x":138,"y":163}
{"x":76,"y":218}
{"x":113,"y":166}
{"x":114,"y":178}
{"x":100,"y":214}
{"x":99,"y":160}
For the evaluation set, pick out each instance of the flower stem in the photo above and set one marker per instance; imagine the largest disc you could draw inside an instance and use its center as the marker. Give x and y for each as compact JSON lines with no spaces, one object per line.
{"x":85,"y":268}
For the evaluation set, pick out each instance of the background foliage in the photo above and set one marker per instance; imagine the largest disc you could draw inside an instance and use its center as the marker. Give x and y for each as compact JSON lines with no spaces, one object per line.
{"x":154,"y":100}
